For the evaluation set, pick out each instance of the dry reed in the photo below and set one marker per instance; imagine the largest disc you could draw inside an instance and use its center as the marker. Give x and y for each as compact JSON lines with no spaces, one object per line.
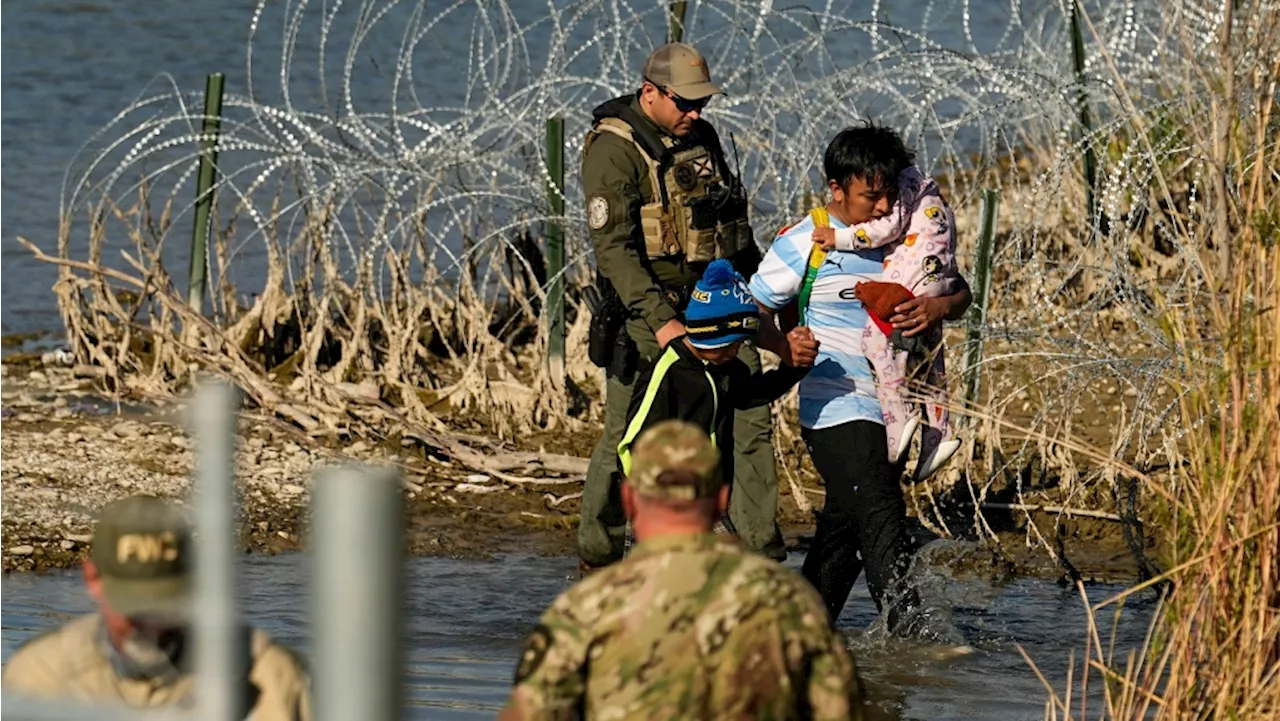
{"x":1214,"y":647}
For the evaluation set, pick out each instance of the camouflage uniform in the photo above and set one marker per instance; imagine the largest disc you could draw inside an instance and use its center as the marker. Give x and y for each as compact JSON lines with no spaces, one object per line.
{"x":687,"y":626}
{"x":650,"y":280}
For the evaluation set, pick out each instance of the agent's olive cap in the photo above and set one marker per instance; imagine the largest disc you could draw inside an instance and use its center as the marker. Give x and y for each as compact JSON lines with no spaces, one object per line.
{"x":142,"y":549}
{"x":681,"y":69}
{"x":675,"y":446}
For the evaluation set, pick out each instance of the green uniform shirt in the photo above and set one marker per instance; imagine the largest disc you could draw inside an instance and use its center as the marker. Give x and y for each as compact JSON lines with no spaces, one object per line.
{"x":613,"y":169}
{"x":687,"y":627}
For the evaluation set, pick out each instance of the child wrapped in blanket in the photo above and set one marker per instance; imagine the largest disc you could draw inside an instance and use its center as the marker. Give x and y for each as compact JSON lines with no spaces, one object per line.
{"x":918,"y":235}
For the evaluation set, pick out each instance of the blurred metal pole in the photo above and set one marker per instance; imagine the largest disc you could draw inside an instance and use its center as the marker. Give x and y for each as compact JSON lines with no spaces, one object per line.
{"x":220,"y":643}
{"x":554,"y":309}
{"x":356,"y":537}
{"x":981,"y":292}
{"x":204,"y":190}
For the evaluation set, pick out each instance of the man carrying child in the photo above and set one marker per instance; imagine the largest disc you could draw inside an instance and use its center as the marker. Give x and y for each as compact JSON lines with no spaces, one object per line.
{"x":863,"y":521}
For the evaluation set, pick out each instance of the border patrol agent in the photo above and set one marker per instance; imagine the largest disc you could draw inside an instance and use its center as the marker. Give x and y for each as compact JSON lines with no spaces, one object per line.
{"x":134,"y":652}
{"x":661,"y":203}
{"x":691,"y":625}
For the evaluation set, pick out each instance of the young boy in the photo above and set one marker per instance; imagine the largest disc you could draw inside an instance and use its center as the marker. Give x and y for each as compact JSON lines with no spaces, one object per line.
{"x":699,"y":378}
{"x":918,"y":235}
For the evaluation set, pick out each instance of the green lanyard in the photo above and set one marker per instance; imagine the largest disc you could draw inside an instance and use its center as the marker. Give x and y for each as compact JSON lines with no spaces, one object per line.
{"x":817,"y":256}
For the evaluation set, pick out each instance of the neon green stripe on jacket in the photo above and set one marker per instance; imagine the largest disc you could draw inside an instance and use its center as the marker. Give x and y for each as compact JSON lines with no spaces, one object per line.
{"x":668,"y":359}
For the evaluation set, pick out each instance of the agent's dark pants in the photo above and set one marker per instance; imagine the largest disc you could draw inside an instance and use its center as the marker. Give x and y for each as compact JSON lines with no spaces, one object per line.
{"x":753,"y":502}
{"x":863,"y":522}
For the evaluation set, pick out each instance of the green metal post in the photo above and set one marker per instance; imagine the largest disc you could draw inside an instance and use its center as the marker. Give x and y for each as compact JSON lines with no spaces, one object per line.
{"x":675,"y":24}
{"x":555,"y":248}
{"x":981,"y":293}
{"x":1086,"y":119}
{"x":204,"y":190}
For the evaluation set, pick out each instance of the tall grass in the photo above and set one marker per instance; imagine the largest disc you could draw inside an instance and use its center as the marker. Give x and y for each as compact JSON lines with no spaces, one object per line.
{"x":1214,"y":650}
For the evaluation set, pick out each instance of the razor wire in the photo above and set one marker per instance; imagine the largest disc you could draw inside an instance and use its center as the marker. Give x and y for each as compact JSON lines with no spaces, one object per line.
{"x":415,"y":134}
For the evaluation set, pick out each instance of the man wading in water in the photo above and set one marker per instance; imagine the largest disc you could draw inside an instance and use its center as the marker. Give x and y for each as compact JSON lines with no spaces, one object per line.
{"x":863,"y":521}
{"x":691,"y":625}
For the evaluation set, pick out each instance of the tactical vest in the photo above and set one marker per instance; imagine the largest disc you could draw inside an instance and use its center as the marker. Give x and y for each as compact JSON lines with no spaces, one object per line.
{"x":689,"y":193}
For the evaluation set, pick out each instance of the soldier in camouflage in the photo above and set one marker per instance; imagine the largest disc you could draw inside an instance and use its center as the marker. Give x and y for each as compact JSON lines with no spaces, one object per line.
{"x":661,"y":203}
{"x":691,"y":625}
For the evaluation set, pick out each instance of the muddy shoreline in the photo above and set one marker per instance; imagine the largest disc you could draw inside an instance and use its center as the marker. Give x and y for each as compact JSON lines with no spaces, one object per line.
{"x":68,"y":451}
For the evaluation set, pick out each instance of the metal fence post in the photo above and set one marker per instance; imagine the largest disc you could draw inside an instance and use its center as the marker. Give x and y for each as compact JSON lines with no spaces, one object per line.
{"x":356,"y":538}
{"x":1086,"y":119}
{"x":981,"y":294}
{"x":555,"y":250}
{"x":220,"y":639}
{"x":204,"y":190}
{"x":675,"y":21}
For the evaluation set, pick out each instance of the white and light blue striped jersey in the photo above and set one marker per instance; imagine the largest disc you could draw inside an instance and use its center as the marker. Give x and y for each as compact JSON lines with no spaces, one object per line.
{"x":839,"y":388}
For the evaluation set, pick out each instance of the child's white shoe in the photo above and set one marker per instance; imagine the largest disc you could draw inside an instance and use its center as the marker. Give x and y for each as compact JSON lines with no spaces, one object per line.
{"x":904,"y":441}
{"x":930,"y":462}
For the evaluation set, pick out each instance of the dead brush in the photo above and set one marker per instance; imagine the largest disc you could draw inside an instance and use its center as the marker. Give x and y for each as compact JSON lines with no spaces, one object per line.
{"x":356,"y":347}
{"x":1214,"y":647}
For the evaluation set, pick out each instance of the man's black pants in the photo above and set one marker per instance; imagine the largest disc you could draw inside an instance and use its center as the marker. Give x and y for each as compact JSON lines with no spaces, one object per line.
{"x":864,"y":514}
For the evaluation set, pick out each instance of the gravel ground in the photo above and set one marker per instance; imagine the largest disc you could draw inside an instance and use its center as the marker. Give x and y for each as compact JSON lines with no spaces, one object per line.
{"x":66,"y":452}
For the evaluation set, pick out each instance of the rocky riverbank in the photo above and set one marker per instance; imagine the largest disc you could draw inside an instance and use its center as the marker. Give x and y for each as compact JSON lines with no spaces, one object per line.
{"x":67,"y":451}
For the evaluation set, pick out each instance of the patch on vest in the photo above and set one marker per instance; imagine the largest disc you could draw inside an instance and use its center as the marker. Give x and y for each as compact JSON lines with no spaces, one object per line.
{"x":597,"y":212}
{"x":535,"y":650}
{"x":685,"y":177}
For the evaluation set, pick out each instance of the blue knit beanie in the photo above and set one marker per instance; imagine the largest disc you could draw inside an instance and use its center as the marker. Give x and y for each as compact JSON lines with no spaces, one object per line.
{"x":721,"y":310}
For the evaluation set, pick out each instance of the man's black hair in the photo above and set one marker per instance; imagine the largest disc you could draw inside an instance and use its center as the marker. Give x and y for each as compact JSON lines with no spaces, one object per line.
{"x":872,"y":152}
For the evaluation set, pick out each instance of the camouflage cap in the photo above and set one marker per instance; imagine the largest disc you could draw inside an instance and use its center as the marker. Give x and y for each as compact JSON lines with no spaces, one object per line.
{"x":680,"y":68}
{"x":142,"y":550}
{"x":675,"y":446}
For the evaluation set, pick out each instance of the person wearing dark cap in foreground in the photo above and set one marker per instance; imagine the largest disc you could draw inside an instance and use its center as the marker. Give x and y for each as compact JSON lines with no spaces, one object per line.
{"x":134,"y":651}
{"x":690,"y":625}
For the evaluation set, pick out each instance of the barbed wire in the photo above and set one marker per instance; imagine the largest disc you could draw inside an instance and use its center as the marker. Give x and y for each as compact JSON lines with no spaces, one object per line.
{"x":410,"y":139}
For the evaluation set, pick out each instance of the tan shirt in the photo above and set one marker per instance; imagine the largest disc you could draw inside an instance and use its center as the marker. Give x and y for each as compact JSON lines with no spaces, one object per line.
{"x":69,"y":664}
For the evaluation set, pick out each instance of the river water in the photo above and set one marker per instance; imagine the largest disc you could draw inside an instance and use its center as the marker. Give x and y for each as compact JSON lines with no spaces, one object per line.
{"x":465,"y":621}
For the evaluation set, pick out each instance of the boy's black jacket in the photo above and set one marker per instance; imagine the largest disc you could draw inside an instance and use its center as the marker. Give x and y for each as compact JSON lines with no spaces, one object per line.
{"x":684,"y":391}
